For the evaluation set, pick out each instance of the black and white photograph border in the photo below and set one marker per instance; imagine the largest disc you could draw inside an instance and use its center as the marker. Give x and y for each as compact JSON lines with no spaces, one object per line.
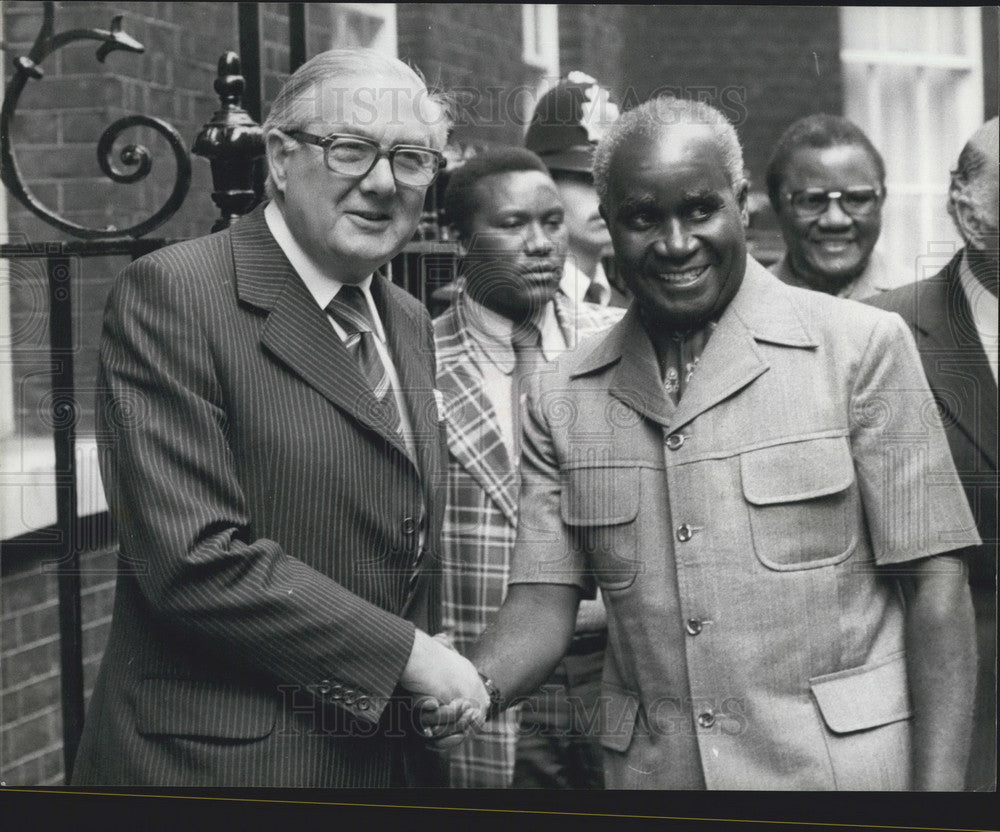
{"x":128,"y":127}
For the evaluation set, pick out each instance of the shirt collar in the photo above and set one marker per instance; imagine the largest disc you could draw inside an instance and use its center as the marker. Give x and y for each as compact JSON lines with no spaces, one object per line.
{"x":574,"y":283}
{"x":491,"y":333}
{"x":321,"y":286}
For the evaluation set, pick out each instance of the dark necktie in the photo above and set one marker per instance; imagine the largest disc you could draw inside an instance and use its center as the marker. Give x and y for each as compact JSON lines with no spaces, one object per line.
{"x":526,"y":339}
{"x":593,"y":294}
{"x":350,"y":309}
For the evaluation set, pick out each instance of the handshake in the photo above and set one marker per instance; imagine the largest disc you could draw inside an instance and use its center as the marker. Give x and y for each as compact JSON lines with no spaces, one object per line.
{"x":448,"y":694}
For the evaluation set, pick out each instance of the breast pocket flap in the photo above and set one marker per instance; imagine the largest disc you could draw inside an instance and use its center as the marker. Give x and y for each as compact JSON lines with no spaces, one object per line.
{"x":796,"y":471}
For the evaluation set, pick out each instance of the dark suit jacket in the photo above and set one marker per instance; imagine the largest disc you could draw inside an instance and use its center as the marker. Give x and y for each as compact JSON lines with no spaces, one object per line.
{"x":937,"y":312}
{"x":270,"y":573}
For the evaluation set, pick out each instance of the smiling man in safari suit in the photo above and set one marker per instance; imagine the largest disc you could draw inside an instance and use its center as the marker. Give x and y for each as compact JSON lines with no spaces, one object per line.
{"x":756,"y":478}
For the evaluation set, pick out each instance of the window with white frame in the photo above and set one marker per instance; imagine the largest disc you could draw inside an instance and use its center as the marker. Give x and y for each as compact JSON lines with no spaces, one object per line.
{"x":540,"y":25}
{"x":913,"y":81}
{"x":540,"y":49}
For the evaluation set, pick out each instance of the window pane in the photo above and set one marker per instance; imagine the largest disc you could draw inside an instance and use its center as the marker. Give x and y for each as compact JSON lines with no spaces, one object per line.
{"x":948,"y":32}
{"x":905,"y":30}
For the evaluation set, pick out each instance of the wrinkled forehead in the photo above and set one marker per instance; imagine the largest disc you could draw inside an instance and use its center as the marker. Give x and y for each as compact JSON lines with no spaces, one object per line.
{"x":372,"y":104}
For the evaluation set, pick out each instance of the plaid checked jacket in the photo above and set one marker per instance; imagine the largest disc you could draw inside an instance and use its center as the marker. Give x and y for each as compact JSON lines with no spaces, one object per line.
{"x":481,"y":513}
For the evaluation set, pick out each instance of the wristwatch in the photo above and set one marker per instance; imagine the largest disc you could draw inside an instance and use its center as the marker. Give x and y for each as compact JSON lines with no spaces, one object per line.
{"x":496,"y":698}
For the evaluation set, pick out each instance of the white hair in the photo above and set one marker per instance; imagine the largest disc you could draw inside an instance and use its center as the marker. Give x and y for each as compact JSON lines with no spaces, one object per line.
{"x":655,"y":117}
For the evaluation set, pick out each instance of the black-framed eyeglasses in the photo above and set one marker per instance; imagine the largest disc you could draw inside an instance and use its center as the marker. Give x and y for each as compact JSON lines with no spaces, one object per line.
{"x":348,"y":155}
{"x":855,"y":202}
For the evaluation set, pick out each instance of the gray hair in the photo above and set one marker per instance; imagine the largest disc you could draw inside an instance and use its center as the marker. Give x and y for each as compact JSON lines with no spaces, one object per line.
{"x":297,"y":103}
{"x":653,"y":118}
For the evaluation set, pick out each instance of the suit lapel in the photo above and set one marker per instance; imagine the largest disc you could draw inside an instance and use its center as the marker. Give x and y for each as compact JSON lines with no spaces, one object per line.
{"x":956,"y":364}
{"x":415,"y":369}
{"x":760,"y":311}
{"x":297,"y":332}
{"x":474,"y":437}
{"x":636,"y":381}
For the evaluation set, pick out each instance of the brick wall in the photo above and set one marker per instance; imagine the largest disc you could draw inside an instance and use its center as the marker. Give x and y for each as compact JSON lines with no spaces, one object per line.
{"x":473,"y":50}
{"x":592,"y":39}
{"x":30,"y":704}
{"x":765,"y":66}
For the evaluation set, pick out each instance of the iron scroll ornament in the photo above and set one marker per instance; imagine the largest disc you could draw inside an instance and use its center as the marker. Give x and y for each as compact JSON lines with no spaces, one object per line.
{"x":132,"y":155}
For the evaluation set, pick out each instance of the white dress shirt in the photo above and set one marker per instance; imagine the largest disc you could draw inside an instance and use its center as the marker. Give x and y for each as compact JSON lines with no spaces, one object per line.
{"x":324,"y":288}
{"x":491,"y":333}
{"x":575,"y":283}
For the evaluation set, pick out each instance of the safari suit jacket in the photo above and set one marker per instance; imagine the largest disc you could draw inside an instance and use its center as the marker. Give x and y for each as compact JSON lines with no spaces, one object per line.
{"x":743,"y":531}
{"x":270,"y":573}
{"x":481,"y":515}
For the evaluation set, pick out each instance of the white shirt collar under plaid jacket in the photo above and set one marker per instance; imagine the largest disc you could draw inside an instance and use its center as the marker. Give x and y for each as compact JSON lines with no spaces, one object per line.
{"x":473,"y":431}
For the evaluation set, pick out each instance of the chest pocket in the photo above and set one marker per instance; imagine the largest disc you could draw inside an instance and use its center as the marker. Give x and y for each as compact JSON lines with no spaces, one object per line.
{"x":600,"y":505}
{"x":802,"y":503}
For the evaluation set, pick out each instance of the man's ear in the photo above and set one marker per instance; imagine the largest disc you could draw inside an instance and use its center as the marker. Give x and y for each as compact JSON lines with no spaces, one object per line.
{"x":970,"y":226}
{"x":279,"y":149}
{"x":742,"y":191}
{"x":462,"y":243}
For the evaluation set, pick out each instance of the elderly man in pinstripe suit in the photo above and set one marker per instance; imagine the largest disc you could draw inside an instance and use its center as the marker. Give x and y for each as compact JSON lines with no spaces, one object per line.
{"x":270,"y":448}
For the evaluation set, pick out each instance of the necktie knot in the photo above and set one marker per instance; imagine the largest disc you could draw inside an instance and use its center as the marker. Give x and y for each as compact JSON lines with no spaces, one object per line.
{"x":350,"y":309}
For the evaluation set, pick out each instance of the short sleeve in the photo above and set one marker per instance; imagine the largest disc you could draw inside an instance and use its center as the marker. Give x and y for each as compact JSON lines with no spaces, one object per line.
{"x":913,"y":499}
{"x":544,"y":551}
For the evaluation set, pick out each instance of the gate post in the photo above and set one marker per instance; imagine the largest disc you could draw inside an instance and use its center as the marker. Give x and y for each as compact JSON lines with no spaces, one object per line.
{"x":233,"y":143}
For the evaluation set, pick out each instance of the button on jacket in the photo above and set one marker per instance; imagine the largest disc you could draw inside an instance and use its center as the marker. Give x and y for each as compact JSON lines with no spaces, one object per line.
{"x":750,"y":633}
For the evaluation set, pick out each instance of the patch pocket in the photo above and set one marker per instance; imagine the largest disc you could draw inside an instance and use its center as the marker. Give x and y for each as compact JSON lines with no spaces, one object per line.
{"x":202,"y":708}
{"x":600,"y":505}
{"x":802,"y":503}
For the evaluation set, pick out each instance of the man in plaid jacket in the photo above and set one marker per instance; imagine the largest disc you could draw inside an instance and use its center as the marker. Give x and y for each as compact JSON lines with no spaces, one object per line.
{"x":508,"y":319}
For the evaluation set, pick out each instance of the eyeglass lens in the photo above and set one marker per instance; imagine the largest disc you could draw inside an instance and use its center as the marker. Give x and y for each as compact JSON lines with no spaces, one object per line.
{"x":854,"y":201}
{"x":411,"y":166}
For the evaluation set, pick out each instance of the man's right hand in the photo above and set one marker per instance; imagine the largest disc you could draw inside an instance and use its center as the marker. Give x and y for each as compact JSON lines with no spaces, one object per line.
{"x":440,"y":672}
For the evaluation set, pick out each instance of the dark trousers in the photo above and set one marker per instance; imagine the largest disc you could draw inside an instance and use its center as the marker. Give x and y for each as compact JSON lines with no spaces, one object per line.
{"x":559,"y":744}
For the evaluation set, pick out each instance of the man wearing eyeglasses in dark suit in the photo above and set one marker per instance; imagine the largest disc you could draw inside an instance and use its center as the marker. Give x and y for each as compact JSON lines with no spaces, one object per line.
{"x":826,"y":183}
{"x":272,"y":454}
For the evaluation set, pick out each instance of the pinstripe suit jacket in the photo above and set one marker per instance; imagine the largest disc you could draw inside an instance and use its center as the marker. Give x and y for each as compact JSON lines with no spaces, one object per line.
{"x":270,"y":573}
{"x":481,"y":514}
